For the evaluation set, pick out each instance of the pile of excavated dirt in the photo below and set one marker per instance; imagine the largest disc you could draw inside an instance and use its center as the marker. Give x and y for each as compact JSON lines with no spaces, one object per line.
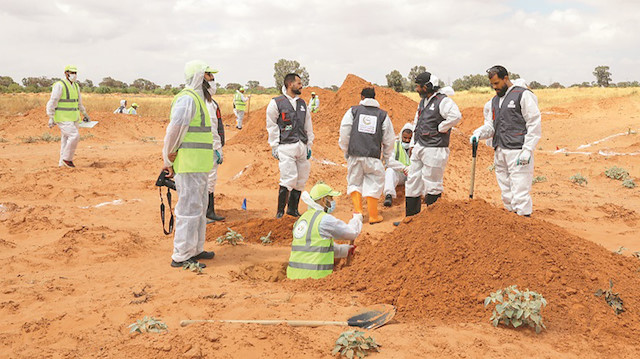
{"x":442,"y":264}
{"x":255,"y":228}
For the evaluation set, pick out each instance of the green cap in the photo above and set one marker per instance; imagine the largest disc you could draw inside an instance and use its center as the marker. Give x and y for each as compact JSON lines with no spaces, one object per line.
{"x":211,"y":70}
{"x":134,"y":105}
{"x":321,"y":190}
{"x":71,"y":68}
{"x":192,"y":67}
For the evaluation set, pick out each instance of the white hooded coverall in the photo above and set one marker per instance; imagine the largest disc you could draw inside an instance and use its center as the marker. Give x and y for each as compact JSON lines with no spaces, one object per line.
{"x":426,"y":171}
{"x":294,"y":165}
{"x":69,"y":134}
{"x":240,"y":114}
{"x":515,"y":180}
{"x":123,"y":107}
{"x":217,"y":146}
{"x":366,"y":174}
{"x":394,"y":174}
{"x":193,"y":198}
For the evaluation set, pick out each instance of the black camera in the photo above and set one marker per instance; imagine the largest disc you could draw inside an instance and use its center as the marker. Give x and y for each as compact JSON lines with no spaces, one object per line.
{"x":164,"y":181}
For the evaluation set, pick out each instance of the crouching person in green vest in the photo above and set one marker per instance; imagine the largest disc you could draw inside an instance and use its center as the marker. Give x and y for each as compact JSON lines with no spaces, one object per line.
{"x":313,"y":250}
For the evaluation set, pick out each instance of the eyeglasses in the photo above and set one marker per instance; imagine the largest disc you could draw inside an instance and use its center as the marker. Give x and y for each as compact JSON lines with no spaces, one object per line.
{"x":72,"y":72}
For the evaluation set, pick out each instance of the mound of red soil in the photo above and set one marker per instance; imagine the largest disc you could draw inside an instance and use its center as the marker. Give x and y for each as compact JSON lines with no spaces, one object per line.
{"x":255,"y":228}
{"x":442,"y":265}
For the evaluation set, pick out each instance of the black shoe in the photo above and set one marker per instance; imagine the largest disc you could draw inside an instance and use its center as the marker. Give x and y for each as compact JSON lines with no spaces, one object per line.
{"x":431,"y":198}
{"x":412,"y":206}
{"x":387,"y":200}
{"x":187,"y":262}
{"x":204,"y":255}
{"x":68,"y":164}
{"x":211,"y":211}
{"x":294,"y":199}
{"x":283,"y":196}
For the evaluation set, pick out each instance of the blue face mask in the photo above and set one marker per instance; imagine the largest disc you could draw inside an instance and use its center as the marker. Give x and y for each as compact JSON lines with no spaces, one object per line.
{"x":332,"y":207}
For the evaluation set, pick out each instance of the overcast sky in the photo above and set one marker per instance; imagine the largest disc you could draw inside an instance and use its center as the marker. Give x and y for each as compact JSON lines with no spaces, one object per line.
{"x":546,"y":40}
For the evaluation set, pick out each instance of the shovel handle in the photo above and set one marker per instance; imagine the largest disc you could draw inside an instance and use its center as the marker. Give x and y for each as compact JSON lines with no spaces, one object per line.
{"x":293,"y":323}
{"x":474,"y":152}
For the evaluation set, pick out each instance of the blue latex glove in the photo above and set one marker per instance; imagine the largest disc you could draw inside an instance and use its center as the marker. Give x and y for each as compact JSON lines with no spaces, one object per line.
{"x":473,"y":139}
{"x":523,"y":158}
{"x":218,"y":156}
{"x":308,"y":153}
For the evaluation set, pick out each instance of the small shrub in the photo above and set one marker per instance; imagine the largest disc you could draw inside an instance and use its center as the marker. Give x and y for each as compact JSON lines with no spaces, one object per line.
{"x":620,"y":250}
{"x":266,"y":239}
{"x":613,"y":299}
{"x":636,"y":254}
{"x":148,"y":324}
{"x":45,"y":137}
{"x":629,"y":183}
{"x":517,"y":308}
{"x":148,"y":139}
{"x":194,"y":267}
{"x":232,"y":237}
{"x":492,"y":167}
{"x":352,"y":344}
{"x":578,"y":179}
{"x":539,"y":179}
{"x":617,"y":173}
{"x":3,"y":140}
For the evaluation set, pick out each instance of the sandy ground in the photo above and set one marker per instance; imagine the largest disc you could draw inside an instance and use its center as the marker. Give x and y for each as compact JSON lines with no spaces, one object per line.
{"x":84,"y":256}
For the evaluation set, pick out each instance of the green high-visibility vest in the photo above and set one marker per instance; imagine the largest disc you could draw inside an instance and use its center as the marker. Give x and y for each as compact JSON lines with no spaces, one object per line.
{"x":311,"y":255}
{"x":238,"y":103}
{"x":195,"y":154}
{"x":67,"y":110}
{"x":132,"y":111}
{"x":313,"y":104}
{"x":401,"y":154}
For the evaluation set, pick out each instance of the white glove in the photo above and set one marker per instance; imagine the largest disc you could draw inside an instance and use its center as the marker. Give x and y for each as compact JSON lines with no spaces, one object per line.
{"x":51,"y":122}
{"x":473,"y":139}
{"x":523,"y":158}
{"x":274,"y":152}
{"x":358,"y":216}
{"x":341,"y":250}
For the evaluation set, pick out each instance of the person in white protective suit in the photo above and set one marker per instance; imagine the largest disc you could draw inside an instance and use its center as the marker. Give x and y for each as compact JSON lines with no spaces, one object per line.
{"x":290,"y":137}
{"x":217,"y":130}
{"x":188,"y":152}
{"x":314,"y":103}
{"x":313,"y":249}
{"x":395,"y":175}
{"x":64,"y":108}
{"x":123,"y":107}
{"x":240,"y":106}
{"x":366,"y":135}
{"x":436,"y":115}
{"x":513,"y":123}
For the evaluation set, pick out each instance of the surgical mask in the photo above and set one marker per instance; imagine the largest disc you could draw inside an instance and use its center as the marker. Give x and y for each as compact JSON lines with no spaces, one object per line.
{"x":212,"y":87}
{"x":73,"y":77}
{"x":405,"y":145}
{"x":332,"y":207}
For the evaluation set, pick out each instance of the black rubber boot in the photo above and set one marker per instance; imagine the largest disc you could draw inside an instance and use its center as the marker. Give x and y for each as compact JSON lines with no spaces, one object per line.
{"x":283,"y":196}
{"x":412,"y":206}
{"x":294,"y":199}
{"x":432,"y":198}
{"x":388,"y":200}
{"x":211,"y":211}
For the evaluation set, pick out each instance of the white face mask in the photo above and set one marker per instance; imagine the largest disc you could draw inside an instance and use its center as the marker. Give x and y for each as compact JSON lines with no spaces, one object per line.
{"x":406,"y":145}
{"x":73,"y":77}
{"x":212,"y":87}
{"x":332,"y":206}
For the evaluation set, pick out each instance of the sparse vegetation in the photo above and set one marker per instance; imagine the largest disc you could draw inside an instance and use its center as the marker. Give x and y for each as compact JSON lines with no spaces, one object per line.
{"x":538,"y":179}
{"x":3,"y":140}
{"x":517,"y":308}
{"x":629,"y":183}
{"x":352,"y":344}
{"x":194,"y":267}
{"x":148,"y":325}
{"x":620,"y":250}
{"x":45,"y":137}
{"x":617,"y":173}
{"x":579,"y":179}
{"x":232,"y":237}
{"x":266,"y":239}
{"x":148,"y":139}
{"x":491,"y":167}
{"x":613,"y":299}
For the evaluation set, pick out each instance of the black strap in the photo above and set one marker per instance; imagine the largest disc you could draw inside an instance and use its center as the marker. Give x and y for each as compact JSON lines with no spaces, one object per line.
{"x":162,"y":215}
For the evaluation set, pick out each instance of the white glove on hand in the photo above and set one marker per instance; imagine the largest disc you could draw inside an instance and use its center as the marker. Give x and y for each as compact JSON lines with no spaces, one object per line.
{"x":473,"y":139}
{"x":274,"y":152}
{"x":358,"y":216}
{"x":523,"y":158}
{"x":51,"y":122}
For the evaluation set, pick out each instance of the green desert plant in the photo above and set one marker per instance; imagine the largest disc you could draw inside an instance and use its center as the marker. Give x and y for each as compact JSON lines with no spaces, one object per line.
{"x":147,"y":325}
{"x":3,"y":140}
{"x":45,"y":137}
{"x":538,"y":179}
{"x":578,"y":179}
{"x":620,"y":250}
{"x":613,"y":299}
{"x":266,"y":239}
{"x":232,"y":237}
{"x":629,"y":183}
{"x":352,"y":344}
{"x":491,"y":167}
{"x":517,"y":308}
{"x":617,"y":173}
{"x":194,"y":267}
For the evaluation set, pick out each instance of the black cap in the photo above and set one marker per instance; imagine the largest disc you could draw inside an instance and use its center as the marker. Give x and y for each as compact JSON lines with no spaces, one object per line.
{"x":423,"y":78}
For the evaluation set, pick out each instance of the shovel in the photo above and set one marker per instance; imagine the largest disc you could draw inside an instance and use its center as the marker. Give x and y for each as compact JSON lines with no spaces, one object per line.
{"x":474,"y":150}
{"x":370,"y":318}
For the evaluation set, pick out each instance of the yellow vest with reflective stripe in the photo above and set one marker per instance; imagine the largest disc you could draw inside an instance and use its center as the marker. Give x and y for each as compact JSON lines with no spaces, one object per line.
{"x":311,"y":255}
{"x":401,"y":154}
{"x":67,"y":109}
{"x":195,"y":153}
{"x":313,"y":104}
{"x":237,"y":101}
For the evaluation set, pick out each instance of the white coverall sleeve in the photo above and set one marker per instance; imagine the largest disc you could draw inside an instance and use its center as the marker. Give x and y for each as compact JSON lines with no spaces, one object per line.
{"x":415,"y":125}
{"x":485,"y":131}
{"x":217,"y":141}
{"x":181,"y":114}
{"x":272,"y":124}
{"x":308,"y":128}
{"x":56,"y":93}
{"x":332,"y":227}
{"x":533,"y":119}
{"x":451,"y":113}
{"x":388,"y":141}
{"x":345,"y":131}
{"x":80,"y":105}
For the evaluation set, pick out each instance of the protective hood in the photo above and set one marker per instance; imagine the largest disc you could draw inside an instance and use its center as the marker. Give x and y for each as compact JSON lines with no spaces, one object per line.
{"x":520,"y":82}
{"x":370,"y":102}
{"x":447,"y":90}
{"x":407,"y":125}
{"x":306,"y":198}
{"x":194,"y":74}
{"x":123,"y":102}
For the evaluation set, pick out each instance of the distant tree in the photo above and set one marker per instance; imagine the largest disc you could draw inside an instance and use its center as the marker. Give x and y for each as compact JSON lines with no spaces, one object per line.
{"x":144,"y":85}
{"x":603,"y":76}
{"x":252,"y":84}
{"x":37,"y":82}
{"x":333,"y":88}
{"x":6,"y":81}
{"x":628,"y":84}
{"x":556,"y":85}
{"x":396,"y":81}
{"x":469,"y":81}
{"x":415,"y":71}
{"x":233,"y":86}
{"x":284,"y":67}
{"x":535,"y":85}
{"x":113,"y":83}
{"x":513,"y":76}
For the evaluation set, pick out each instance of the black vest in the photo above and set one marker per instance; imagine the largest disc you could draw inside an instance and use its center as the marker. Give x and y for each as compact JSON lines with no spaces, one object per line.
{"x":508,"y":122}
{"x":429,"y":118}
{"x":220,"y":125}
{"x":291,"y":121}
{"x":366,"y":131}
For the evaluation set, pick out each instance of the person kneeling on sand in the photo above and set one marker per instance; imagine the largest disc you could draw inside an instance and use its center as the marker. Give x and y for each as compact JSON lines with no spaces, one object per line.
{"x":313,"y":249}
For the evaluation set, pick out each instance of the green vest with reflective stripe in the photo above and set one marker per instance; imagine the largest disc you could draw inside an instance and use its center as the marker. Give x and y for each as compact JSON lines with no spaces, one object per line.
{"x":313,"y":104}
{"x":401,"y":154}
{"x":311,"y":255}
{"x":67,"y":110}
{"x":195,"y":153}
{"x":238,"y":103}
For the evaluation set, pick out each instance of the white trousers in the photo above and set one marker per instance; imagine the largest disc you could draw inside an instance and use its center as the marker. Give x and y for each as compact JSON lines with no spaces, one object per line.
{"x":426,"y":171}
{"x":213,"y":176}
{"x":514,"y":181}
{"x":294,"y":165}
{"x":239,"y":117}
{"x":365,"y":175}
{"x":189,"y":237}
{"x":69,"y":138}
{"x":392,"y":179}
